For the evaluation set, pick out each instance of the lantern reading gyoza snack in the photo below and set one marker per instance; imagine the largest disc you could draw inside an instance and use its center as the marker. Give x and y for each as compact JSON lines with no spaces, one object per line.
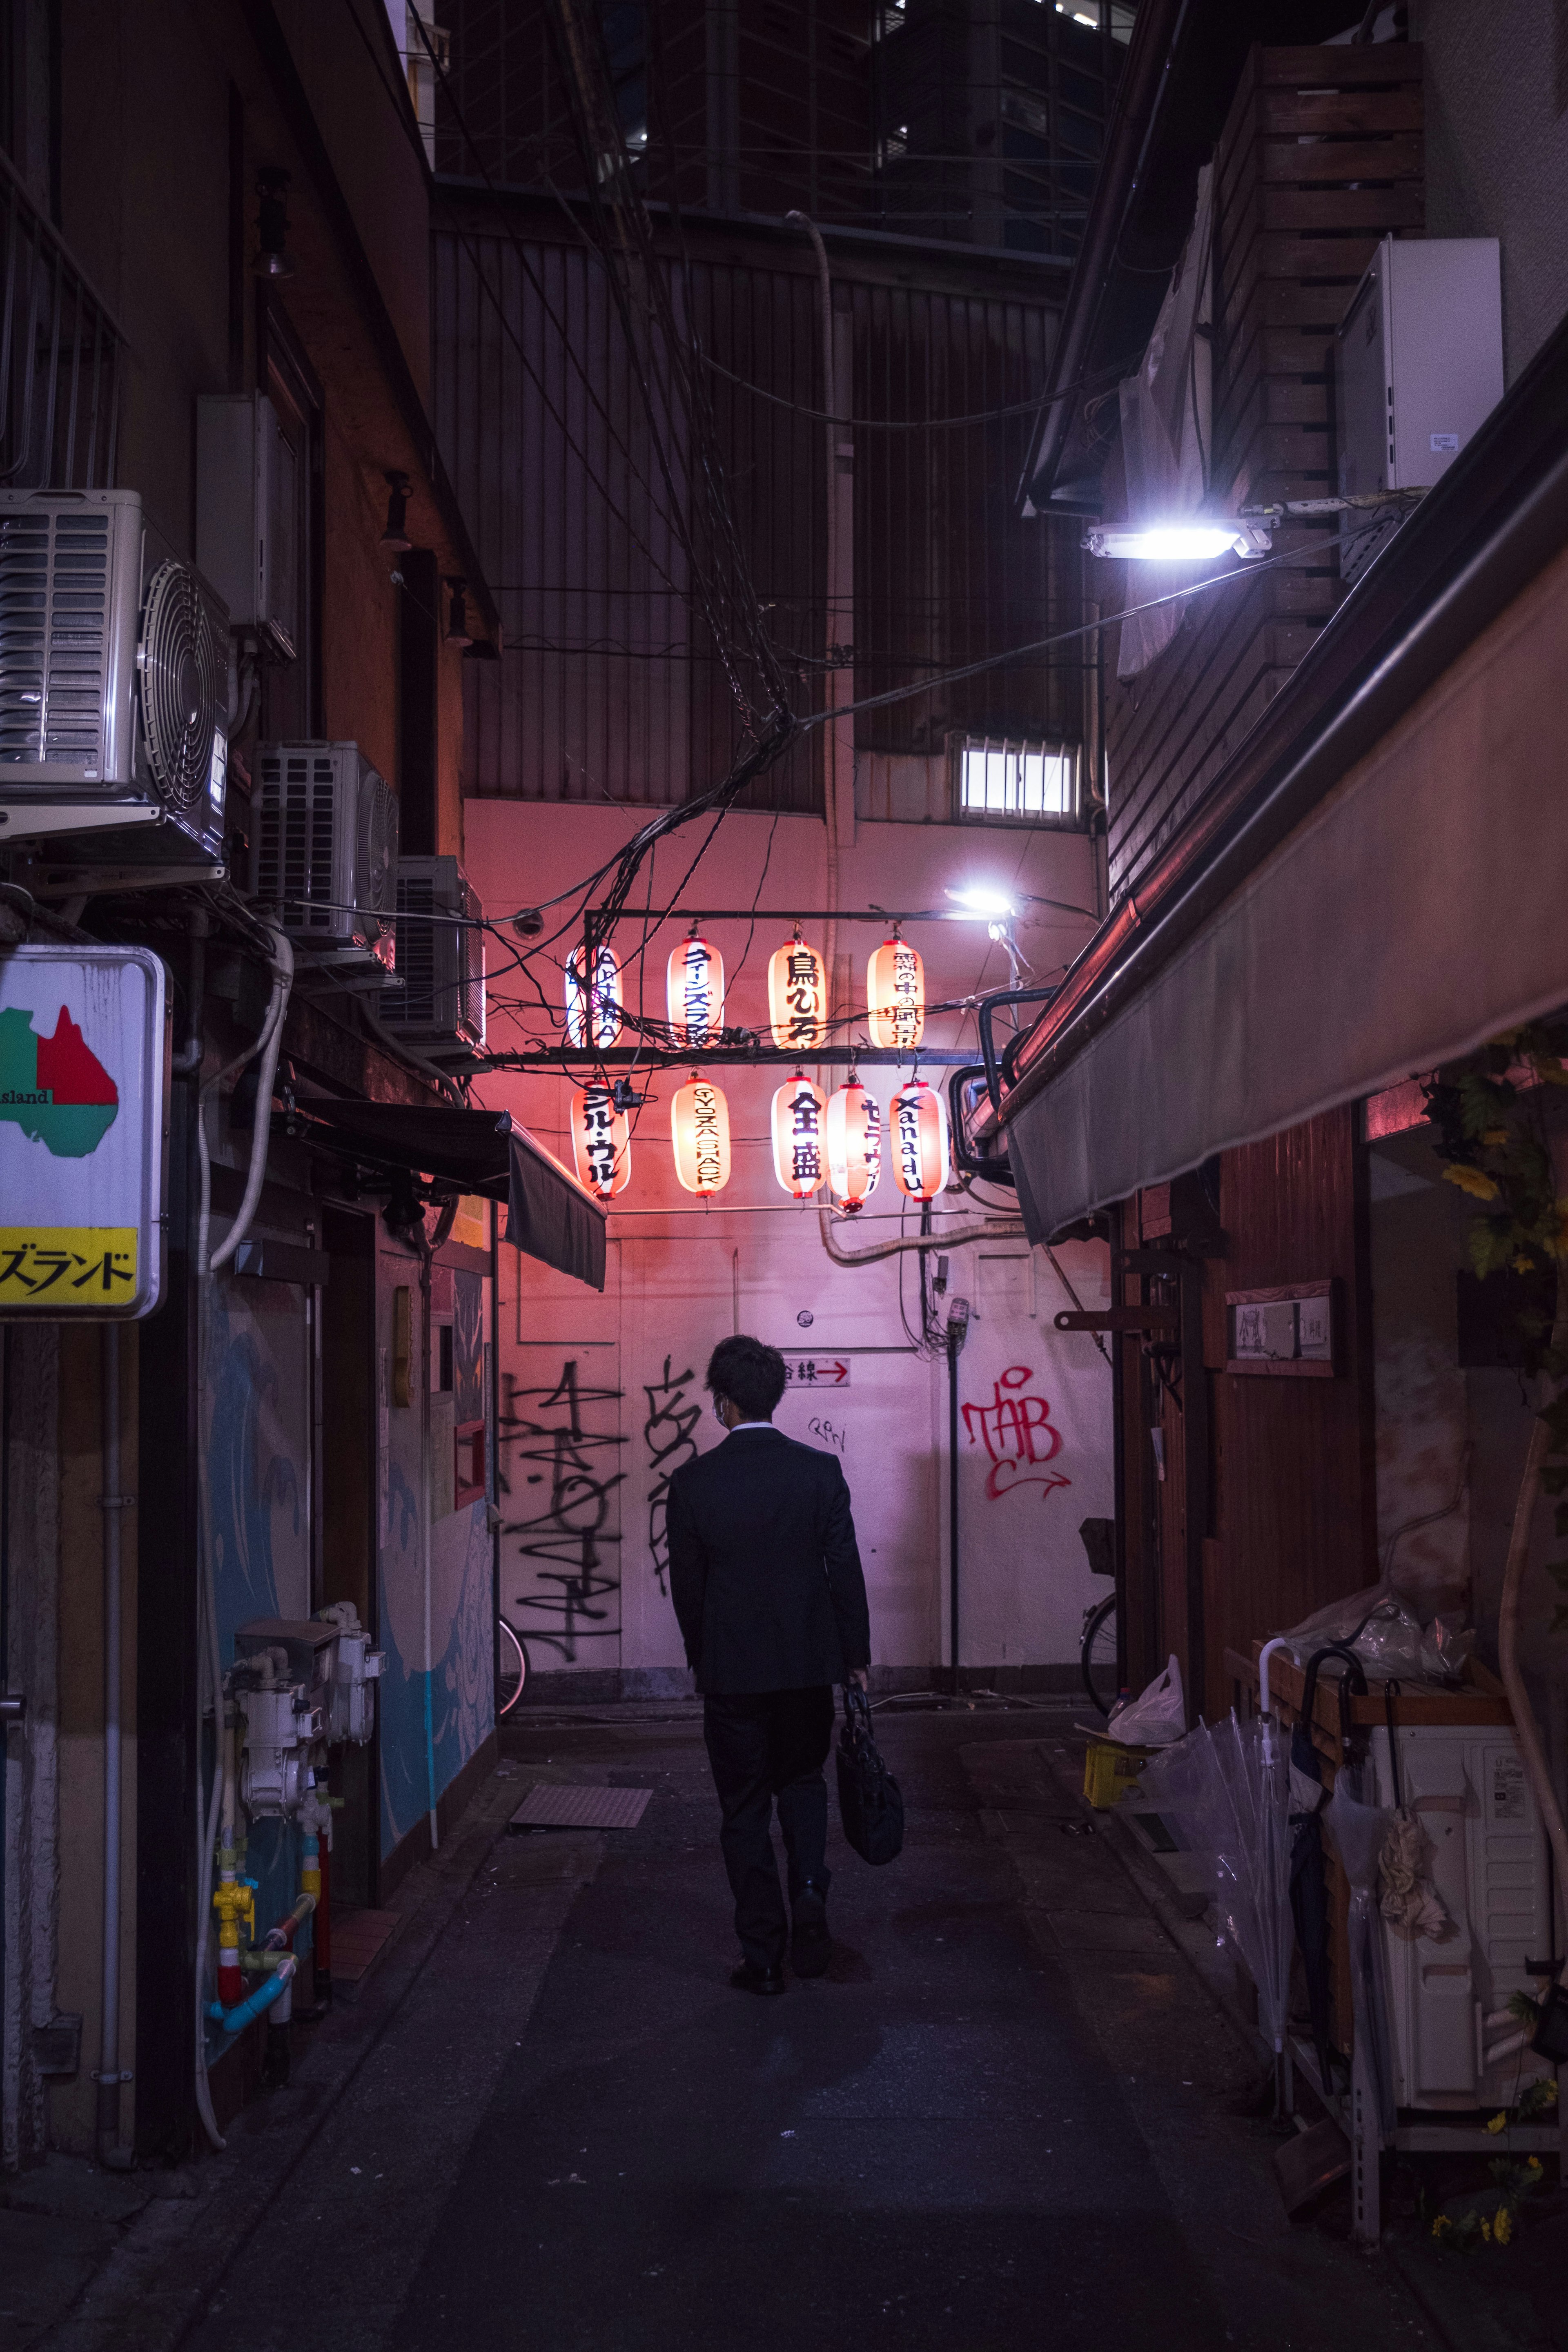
{"x":601,"y":1141}
{"x":696,"y":991}
{"x":798,"y":997}
{"x":917,"y":1122}
{"x":699,"y":1130}
{"x":896,"y":995}
{"x":599,"y":1024}
{"x":800,"y":1154}
{"x":853,"y":1124}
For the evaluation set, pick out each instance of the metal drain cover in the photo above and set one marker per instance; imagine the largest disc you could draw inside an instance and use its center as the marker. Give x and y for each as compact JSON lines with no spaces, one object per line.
{"x":555,"y":1805}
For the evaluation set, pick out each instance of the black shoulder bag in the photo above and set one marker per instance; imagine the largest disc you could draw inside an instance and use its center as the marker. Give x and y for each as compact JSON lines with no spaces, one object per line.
{"x":869,"y":1801}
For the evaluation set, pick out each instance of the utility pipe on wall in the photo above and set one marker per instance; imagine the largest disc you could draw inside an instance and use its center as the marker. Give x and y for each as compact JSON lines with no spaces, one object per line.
{"x":112,"y":1502}
{"x":957,"y":1331}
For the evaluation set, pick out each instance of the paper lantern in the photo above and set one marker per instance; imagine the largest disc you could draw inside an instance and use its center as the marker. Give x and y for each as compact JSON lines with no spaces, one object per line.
{"x":598,"y":1024}
{"x":601,"y":1141}
{"x":799,"y":1150}
{"x":696,"y":991}
{"x":699,"y":1130}
{"x":917,"y":1124}
{"x":798,"y":997}
{"x":853,"y":1124}
{"x":896,"y":995}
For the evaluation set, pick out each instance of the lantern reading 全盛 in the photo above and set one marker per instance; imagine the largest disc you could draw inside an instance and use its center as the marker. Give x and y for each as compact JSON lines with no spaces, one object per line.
{"x":601,"y":1141}
{"x":853,"y":1124}
{"x":596,"y":1023}
{"x":896,"y":995}
{"x":798,"y":997}
{"x":918,"y":1118}
{"x":700,"y":1131}
{"x":696,"y":991}
{"x":800,"y":1157}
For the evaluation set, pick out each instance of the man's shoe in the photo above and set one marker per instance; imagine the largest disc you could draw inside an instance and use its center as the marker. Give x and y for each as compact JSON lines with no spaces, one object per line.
{"x":811,"y":1946}
{"x":748,"y":1978}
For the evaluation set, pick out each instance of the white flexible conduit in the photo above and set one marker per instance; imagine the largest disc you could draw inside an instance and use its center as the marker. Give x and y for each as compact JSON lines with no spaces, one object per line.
{"x":1000,"y":1230}
{"x":207,"y":1262}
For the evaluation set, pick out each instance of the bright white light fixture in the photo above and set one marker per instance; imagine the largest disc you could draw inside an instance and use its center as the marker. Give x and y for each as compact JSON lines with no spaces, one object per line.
{"x":1183,"y":542}
{"x":989,"y":906}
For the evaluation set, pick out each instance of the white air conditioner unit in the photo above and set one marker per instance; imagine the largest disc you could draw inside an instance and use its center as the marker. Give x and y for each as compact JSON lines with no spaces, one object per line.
{"x":323,"y":848}
{"x":440,"y":959}
{"x":249,"y":511}
{"x":113,"y":684}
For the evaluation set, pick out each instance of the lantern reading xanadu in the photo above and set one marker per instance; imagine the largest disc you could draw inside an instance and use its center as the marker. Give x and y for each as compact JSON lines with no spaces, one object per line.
{"x":800,"y":1152}
{"x":696,"y":991}
{"x":599,"y":1023}
{"x":896,"y":995}
{"x":853,"y":1124}
{"x":601,"y":1141}
{"x":916,"y":1123}
{"x":699,"y":1130}
{"x":798,"y":997}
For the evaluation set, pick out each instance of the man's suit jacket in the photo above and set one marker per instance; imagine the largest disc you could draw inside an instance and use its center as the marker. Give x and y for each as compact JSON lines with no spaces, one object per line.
{"x":763,"y":1567}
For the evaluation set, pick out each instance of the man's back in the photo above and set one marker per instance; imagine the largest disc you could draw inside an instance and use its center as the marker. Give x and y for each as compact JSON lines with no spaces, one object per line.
{"x":763,"y":1567}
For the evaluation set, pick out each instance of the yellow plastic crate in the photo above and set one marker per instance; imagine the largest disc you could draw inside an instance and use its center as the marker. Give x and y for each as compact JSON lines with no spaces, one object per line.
{"x":1110,"y":1770}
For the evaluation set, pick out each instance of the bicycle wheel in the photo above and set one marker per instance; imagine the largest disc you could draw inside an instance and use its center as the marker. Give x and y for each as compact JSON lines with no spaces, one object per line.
{"x":512,"y":1672}
{"x":1098,"y":1656}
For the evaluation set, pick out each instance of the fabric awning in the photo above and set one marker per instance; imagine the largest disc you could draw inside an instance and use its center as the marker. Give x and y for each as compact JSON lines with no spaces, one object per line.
{"x":550,"y":1216}
{"x":1416,"y":913}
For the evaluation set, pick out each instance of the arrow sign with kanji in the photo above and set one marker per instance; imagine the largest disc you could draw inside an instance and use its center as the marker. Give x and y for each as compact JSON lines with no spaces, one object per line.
{"x":817,"y":1371}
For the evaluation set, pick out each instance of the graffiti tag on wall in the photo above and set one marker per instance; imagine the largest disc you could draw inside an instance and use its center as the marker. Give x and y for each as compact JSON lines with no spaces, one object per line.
{"x":567,"y":1550}
{"x":667,"y":1432}
{"x":1018,"y":1434}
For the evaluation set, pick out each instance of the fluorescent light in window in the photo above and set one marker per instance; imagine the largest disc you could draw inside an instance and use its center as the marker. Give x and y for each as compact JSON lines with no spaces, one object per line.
{"x":1013,"y":780}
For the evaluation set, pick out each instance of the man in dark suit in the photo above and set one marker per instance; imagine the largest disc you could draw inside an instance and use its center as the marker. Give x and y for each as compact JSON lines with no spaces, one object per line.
{"x":767,"y":1586}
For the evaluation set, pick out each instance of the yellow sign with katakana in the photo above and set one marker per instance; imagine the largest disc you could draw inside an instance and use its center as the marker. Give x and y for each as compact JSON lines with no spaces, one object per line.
{"x":79,"y":1265}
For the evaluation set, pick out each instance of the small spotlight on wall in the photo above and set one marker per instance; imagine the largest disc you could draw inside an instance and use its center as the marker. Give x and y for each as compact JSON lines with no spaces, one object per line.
{"x":458,"y":631}
{"x":272,"y":226}
{"x":395,"y":539}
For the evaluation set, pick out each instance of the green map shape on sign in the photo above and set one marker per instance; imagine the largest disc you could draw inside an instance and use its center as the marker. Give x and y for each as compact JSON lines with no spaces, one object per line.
{"x":55,"y":1088}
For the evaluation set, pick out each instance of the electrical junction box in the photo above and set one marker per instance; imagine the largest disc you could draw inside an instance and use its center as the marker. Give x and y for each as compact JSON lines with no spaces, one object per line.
{"x":1417,"y":367}
{"x":248,"y":507}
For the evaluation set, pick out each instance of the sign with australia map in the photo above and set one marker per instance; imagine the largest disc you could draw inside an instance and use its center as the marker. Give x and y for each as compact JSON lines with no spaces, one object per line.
{"x":83,"y":1080}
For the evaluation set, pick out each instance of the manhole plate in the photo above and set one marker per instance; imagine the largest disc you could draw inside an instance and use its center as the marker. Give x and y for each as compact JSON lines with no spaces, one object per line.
{"x":551,"y":1805}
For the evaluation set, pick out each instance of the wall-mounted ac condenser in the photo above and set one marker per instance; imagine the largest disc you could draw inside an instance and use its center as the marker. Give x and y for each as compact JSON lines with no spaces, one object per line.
{"x":113,"y":684}
{"x":441,"y":1008}
{"x":323,"y":847}
{"x":1417,"y":367}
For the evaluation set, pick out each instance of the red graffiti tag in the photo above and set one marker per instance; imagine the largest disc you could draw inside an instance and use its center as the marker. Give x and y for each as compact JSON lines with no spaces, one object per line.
{"x":1018,"y":1435}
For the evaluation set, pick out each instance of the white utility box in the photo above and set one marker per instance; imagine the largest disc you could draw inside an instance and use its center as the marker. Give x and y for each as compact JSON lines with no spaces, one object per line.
{"x":249,"y":505}
{"x":1417,"y":367}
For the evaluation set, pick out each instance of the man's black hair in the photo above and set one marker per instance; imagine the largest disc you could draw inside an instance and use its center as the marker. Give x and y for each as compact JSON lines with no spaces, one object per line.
{"x":749,"y":1373}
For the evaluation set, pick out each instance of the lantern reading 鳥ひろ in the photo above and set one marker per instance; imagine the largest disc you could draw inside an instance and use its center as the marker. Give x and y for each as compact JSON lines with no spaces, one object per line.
{"x":896,"y":995}
{"x":696,"y":991}
{"x":916,"y":1123}
{"x":800,"y":1152}
{"x":598,"y":1024}
{"x":601,"y":1141}
{"x":798,"y":997}
{"x":699,"y":1130}
{"x":853,"y":1124}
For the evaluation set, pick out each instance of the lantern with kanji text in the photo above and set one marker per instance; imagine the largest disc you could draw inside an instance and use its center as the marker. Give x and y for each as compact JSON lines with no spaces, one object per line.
{"x":798,"y":997}
{"x":696,"y":991}
{"x":594,"y":1015}
{"x":699,"y":1130}
{"x":917,"y":1122}
{"x":896,"y":995}
{"x":800,"y":1152}
{"x":601,"y":1141}
{"x":853,"y":1124}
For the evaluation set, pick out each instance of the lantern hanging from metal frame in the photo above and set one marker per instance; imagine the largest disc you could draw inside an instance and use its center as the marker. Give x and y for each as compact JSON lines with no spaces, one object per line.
{"x":854,"y":1127}
{"x":896,"y":995}
{"x":700,"y":1131}
{"x":696,"y":991}
{"x":917,"y":1132}
{"x":596,"y":1024}
{"x":800,"y":1147}
{"x":798,"y":997}
{"x":601,"y":1141}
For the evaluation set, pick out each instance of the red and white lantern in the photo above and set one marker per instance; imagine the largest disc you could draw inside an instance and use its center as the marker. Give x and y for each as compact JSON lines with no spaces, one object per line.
{"x":699,"y":1130}
{"x":896,"y":995}
{"x":601,"y":1141}
{"x":798,"y":997}
{"x":800,"y":1144}
{"x":594,"y":1015}
{"x":854,"y":1126}
{"x":916,"y":1123}
{"x":696,"y":991}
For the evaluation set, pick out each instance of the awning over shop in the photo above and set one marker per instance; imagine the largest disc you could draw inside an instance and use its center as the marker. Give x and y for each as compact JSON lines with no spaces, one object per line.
{"x":1415,"y":913}
{"x":550,"y":1216}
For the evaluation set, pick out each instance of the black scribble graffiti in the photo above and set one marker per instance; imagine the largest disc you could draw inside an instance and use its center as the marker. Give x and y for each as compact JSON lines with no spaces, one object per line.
{"x":668,"y":1429}
{"x":827,"y":1432}
{"x":566,"y":1543}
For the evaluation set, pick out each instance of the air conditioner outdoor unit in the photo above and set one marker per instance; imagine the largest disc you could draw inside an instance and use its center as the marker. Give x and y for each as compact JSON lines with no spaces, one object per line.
{"x":323,"y":850}
{"x":113,"y":684}
{"x":440,"y":959}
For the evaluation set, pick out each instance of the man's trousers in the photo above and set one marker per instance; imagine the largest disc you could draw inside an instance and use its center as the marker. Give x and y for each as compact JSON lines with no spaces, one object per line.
{"x":767,"y":1746}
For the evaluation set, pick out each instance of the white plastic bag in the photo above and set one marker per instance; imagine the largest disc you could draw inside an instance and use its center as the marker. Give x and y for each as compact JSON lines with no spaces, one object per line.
{"x":1157,"y":1717}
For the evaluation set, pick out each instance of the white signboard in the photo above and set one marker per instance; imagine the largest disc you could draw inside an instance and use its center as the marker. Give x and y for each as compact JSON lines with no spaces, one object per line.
{"x":817,"y":1371}
{"x":83,"y":1081}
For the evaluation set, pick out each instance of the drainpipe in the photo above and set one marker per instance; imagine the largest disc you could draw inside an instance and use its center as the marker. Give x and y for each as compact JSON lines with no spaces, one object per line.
{"x":108,"y":2076}
{"x":957,"y":1331}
